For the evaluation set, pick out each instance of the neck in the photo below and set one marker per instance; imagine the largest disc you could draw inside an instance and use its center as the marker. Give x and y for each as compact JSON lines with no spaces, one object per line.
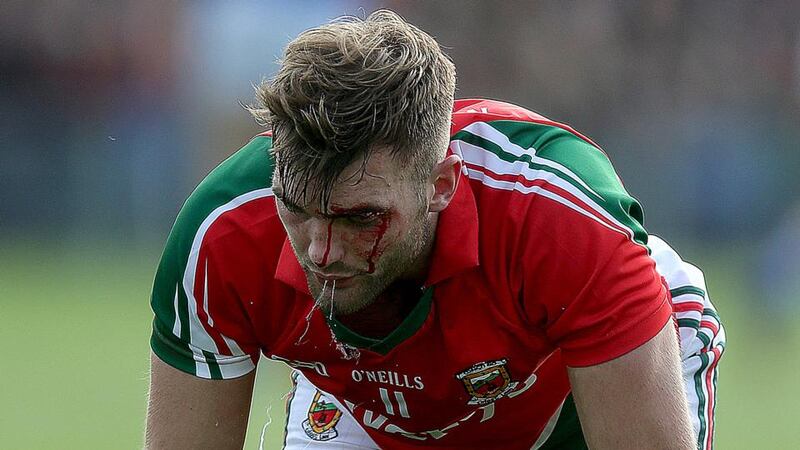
{"x":386,"y":313}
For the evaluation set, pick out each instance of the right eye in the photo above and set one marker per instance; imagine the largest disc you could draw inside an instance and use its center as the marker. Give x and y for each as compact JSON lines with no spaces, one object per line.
{"x":364,"y":219}
{"x":292,"y":209}
{"x":289,"y":207}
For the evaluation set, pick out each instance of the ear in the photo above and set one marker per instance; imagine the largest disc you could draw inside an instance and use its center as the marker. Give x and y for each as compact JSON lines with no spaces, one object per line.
{"x":443,"y":183}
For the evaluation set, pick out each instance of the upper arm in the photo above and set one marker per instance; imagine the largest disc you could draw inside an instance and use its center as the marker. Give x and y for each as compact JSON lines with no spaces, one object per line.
{"x":589,"y":282}
{"x":185,"y":411}
{"x":204,"y":346}
{"x":585,"y":276}
{"x":635,"y":401}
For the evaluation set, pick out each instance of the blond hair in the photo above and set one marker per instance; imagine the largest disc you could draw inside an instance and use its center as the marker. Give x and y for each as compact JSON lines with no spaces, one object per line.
{"x":349,"y":87}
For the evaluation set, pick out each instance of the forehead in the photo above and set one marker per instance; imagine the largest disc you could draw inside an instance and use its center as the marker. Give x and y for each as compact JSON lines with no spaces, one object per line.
{"x":376,"y":176}
{"x":375,"y":180}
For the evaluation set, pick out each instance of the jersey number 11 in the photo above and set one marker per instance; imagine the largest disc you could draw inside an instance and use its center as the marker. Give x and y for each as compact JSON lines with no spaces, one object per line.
{"x":402,"y":407}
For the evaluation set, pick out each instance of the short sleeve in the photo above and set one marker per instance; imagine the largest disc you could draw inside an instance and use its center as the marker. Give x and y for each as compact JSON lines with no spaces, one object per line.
{"x":619,"y":305}
{"x":590,"y":278}
{"x":200,"y":325}
{"x":192,"y":308}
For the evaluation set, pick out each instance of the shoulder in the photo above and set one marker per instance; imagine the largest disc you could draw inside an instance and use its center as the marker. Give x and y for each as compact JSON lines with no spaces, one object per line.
{"x":549,"y":200}
{"x":540,"y":171}
{"x":233,"y":205}
{"x":213,"y":259}
{"x":244,"y":177}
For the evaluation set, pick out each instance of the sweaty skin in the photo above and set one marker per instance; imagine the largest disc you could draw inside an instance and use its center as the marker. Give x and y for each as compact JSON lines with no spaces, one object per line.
{"x":187,"y":412}
{"x":367,"y":245}
{"x":328,"y":244}
{"x":382,"y":227}
{"x":609,"y":398}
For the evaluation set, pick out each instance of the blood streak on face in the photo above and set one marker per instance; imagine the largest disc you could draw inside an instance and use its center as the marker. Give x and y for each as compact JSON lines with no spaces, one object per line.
{"x":382,"y":227}
{"x":327,"y":244}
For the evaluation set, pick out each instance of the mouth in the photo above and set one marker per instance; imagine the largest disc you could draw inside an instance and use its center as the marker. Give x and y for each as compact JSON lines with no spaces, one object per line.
{"x":338,"y":280}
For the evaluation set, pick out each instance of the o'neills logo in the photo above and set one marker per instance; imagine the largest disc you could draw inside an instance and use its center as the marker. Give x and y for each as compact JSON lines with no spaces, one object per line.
{"x":389,"y":377}
{"x":322,"y":419}
{"x":487,"y":381}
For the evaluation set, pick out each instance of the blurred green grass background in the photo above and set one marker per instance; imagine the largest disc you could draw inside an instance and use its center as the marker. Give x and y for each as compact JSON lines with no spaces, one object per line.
{"x":75,"y":322}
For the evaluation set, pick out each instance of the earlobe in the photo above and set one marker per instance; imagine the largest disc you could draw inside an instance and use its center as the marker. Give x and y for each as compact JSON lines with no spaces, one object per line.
{"x":444,"y":182}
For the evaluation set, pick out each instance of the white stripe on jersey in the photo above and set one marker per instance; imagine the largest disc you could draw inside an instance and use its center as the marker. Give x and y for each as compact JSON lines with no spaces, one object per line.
{"x":679,"y":273}
{"x":490,"y":133}
{"x":487,"y":180}
{"x":176,"y":328}
{"x":479,"y":156}
{"x":205,"y":293}
{"x":230,"y":366}
{"x":548,"y":428}
{"x":350,"y":435}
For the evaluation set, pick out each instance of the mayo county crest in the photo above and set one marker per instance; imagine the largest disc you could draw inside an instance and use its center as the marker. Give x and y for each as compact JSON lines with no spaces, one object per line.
{"x":487,"y":381}
{"x":322,"y":419}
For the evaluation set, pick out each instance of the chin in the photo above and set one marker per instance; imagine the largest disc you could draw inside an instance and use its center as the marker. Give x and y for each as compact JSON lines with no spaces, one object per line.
{"x":345,"y":304}
{"x":344,"y":308}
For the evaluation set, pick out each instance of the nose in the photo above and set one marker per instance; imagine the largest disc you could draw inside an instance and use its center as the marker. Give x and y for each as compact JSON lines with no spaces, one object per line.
{"x":324,"y":249}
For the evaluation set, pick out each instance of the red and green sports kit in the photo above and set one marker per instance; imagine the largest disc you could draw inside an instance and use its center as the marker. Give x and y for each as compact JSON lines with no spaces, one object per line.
{"x":540,"y":262}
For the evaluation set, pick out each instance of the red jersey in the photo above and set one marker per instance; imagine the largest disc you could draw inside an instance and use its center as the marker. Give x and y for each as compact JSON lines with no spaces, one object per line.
{"x":540,"y":261}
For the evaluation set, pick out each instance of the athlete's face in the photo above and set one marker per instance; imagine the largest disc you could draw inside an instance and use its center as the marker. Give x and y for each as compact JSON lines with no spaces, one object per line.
{"x":377,"y":229}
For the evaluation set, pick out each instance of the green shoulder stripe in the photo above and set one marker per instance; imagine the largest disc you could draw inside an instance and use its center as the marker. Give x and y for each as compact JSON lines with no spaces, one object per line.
{"x":577,"y":162}
{"x":683,"y":290}
{"x":247,"y":170}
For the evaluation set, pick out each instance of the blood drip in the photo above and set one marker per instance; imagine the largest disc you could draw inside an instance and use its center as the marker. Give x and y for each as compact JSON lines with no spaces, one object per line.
{"x":382,"y":227}
{"x":327,"y":245}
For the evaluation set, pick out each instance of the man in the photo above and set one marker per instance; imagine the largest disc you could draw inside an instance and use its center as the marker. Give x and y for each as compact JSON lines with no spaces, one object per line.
{"x":440,"y":274}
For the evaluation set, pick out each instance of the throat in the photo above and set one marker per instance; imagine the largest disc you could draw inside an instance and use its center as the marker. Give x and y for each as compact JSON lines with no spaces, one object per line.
{"x":386,"y":313}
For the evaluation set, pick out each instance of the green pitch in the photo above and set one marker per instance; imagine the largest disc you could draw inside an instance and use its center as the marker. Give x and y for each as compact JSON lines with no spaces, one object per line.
{"x":75,"y":324}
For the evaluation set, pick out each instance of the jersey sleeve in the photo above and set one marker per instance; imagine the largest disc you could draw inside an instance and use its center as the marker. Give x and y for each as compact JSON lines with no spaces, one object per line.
{"x":200,"y":326}
{"x":617,"y":303}
{"x":591,"y":278}
{"x":702,"y":336}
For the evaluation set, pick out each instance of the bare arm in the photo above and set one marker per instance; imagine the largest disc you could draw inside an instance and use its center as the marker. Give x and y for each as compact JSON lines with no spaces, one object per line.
{"x":637,"y":400}
{"x":189,"y":412}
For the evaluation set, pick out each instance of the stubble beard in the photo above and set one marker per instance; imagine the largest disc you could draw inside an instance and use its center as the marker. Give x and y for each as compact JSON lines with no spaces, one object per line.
{"x":404,"y":258}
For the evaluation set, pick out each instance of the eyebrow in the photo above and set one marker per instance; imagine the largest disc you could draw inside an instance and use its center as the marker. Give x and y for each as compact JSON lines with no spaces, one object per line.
{"x":360,"y":209}
{"x":286,"y":201}
{"x":357,"y":210}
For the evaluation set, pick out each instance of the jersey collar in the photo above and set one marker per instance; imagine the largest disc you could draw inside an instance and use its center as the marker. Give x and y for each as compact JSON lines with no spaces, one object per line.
{"x":454,"y":250}
{"x":456,"y":245}
{"x":289,"y":270}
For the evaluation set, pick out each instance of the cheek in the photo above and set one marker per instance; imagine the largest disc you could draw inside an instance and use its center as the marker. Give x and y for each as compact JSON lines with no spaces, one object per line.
{"x":359,"y":242}
{"x":298,"y":231}
{"x":375,"y":241}
{"x":292,"y":225}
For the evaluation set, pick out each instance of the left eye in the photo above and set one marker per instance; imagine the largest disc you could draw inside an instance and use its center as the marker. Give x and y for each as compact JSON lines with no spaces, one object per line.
{"x":363,"y":219}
